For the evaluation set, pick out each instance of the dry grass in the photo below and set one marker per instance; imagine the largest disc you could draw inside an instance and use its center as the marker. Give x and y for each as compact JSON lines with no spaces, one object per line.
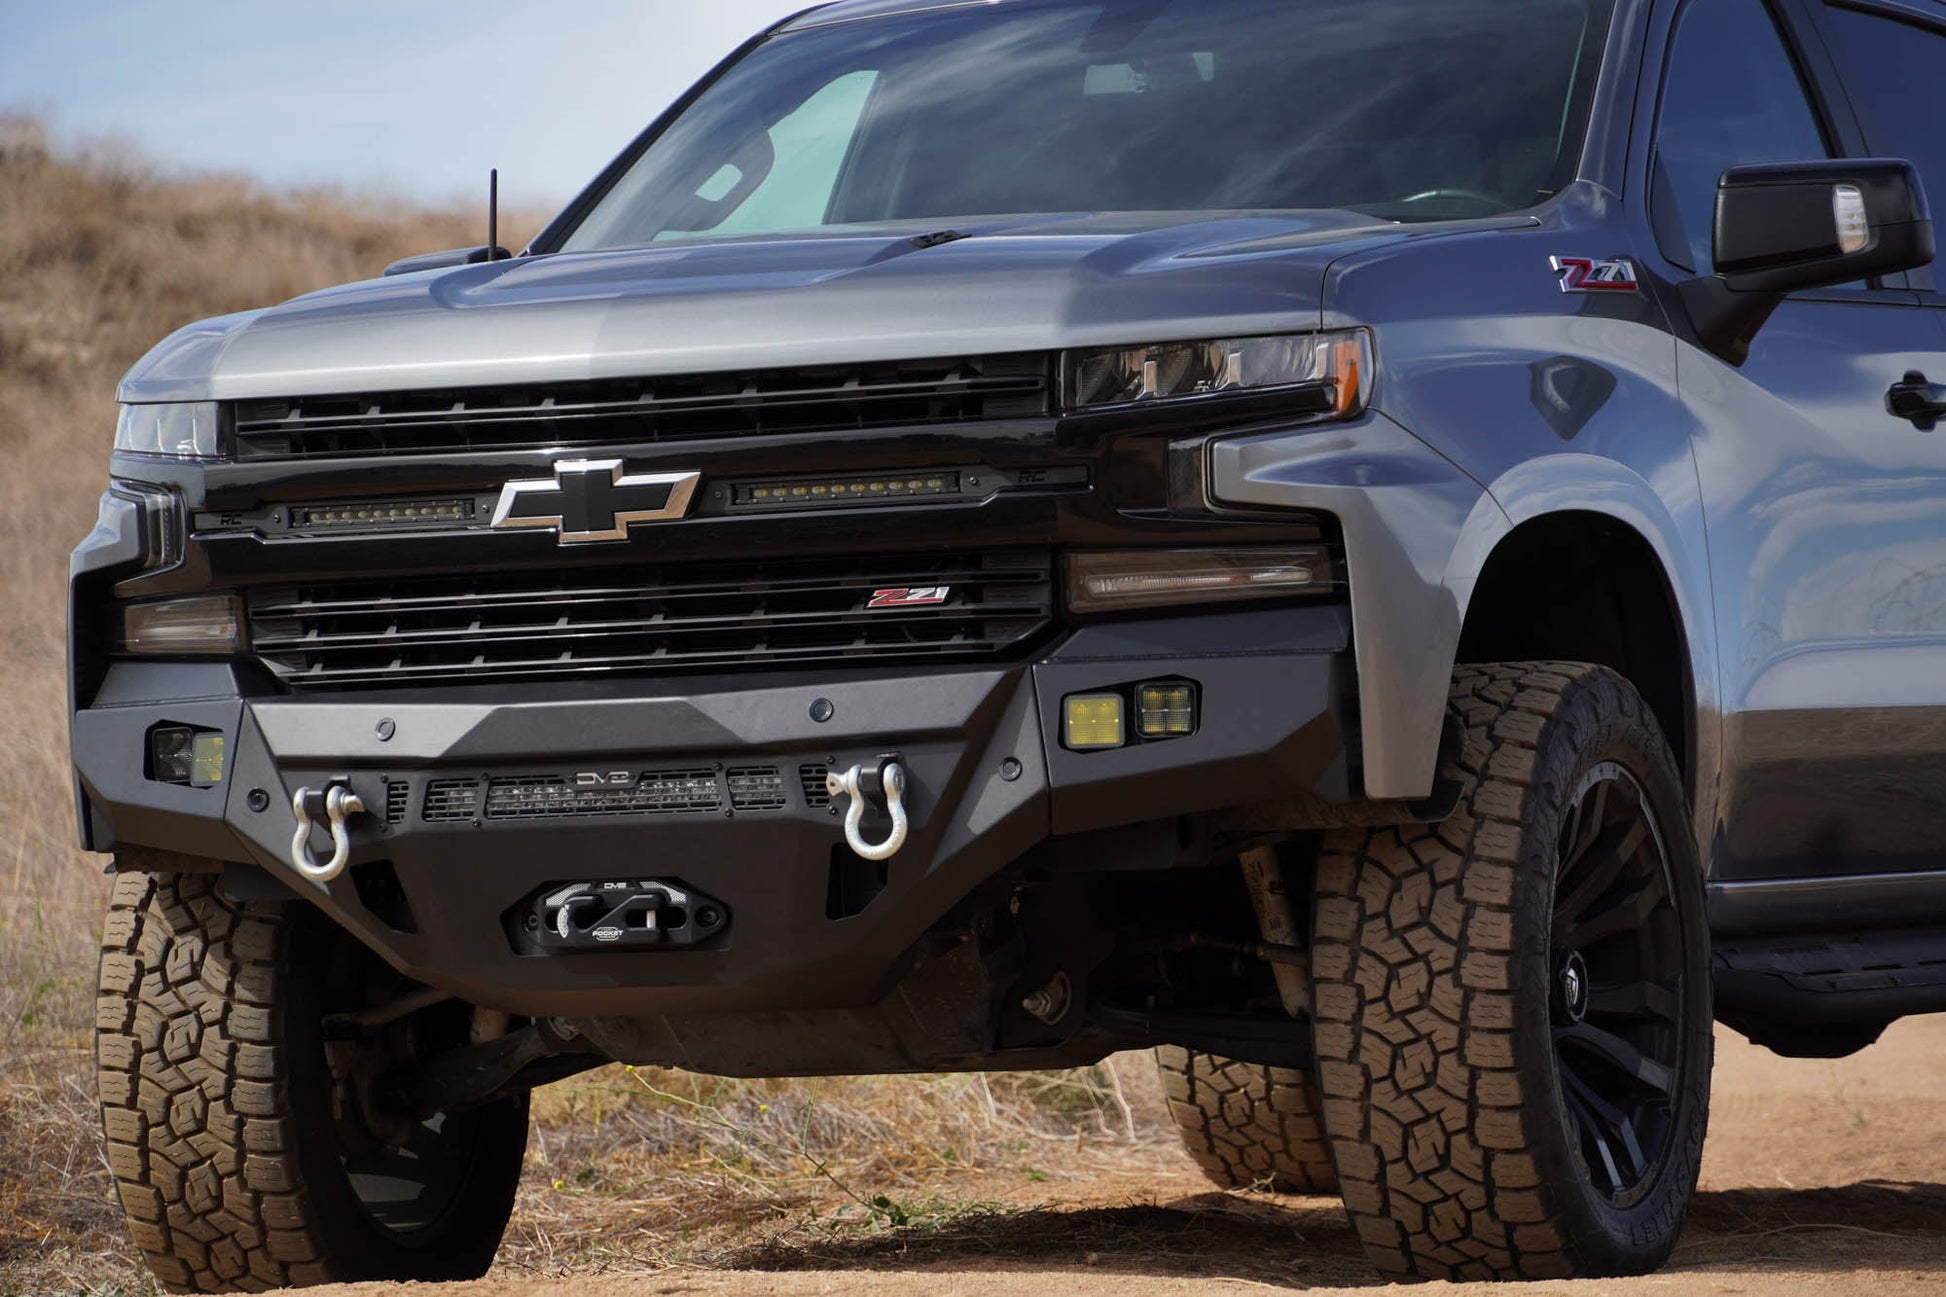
{"x":100,"y":256}
{"x":648,"y":1168}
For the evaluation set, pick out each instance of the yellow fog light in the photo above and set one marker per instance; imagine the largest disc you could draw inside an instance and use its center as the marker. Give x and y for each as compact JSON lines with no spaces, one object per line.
{"x":1092,"y":721}
{"x":206,"y":759}
{"x":1165,"y":709}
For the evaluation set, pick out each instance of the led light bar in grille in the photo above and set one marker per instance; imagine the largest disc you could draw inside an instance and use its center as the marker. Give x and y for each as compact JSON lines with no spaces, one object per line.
{"x":379,"y":513}
{"x":865,"y":488}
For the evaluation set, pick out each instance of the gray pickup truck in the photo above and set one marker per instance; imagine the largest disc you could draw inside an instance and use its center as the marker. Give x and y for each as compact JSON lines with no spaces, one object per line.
{"x":1388,"y":550}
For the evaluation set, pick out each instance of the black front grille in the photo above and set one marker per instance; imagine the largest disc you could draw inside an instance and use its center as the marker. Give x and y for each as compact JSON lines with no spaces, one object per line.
{"x":823,"y":399}
{"x":652,"y":619}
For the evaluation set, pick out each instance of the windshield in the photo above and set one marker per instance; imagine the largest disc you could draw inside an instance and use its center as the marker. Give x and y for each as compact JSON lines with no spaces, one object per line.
{"x":1400,"y":109}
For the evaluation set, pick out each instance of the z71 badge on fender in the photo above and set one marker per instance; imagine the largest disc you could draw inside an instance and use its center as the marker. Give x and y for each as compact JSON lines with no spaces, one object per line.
{"x":1588,"y":275}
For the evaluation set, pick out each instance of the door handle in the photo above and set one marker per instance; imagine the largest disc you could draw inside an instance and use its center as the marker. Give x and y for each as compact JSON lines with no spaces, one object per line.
{"x":1912,"y":397}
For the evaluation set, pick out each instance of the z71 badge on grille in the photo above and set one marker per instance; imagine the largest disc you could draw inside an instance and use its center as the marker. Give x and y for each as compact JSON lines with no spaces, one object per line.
{"x":918,"y":596}
{"x":593,"y":500}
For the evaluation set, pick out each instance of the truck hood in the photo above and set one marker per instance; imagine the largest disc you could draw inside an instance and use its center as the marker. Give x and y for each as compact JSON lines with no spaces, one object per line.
{"x":1022,"y":285}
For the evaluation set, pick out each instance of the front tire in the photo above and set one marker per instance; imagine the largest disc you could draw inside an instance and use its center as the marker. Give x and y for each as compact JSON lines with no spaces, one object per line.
{"x":1513,"y":1006}
{"x":247,"y":1149}
{"x":1247,"y":1125}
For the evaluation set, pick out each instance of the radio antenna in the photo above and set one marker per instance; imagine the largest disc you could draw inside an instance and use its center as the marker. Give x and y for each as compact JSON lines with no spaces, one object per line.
{"x":493,"y":213}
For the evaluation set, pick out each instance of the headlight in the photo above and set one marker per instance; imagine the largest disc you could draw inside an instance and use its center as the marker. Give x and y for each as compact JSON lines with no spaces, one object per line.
{"x":1334,"y":369}
{"x":1114,"y":580}
{"x":186,"y":429}
{"x":201,"y":626}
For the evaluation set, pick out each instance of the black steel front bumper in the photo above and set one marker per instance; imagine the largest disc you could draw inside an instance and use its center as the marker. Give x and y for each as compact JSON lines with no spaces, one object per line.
{"x":989,"y":782}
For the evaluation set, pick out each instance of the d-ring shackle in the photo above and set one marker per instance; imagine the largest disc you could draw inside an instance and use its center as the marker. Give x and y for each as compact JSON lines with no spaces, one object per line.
{"x":337,"y":803}
{"x":889,"y":777}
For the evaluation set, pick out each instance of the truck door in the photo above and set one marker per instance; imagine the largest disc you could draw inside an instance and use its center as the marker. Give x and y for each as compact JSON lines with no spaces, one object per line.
{"x":1826,"y":514}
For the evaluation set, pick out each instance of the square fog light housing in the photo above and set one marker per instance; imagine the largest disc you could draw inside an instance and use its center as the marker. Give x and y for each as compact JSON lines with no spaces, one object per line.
{"x":1165,"y":709}
{"x":1092,"y":722}
{"x":183,"y":754}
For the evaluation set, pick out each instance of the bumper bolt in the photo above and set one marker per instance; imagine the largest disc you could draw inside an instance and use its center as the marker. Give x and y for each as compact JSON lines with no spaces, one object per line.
{"x":1050,"y":1004}
{"x":258,"y":800}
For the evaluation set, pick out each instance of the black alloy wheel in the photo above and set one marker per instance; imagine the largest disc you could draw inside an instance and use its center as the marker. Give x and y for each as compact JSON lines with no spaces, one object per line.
{"x":1617,"y":974}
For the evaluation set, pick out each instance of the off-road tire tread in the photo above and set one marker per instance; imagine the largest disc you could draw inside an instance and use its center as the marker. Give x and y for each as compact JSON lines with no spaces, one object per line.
{"x":1418,"y":981}
{"x":1247,"y":1125}
{"x":192,"y":1074}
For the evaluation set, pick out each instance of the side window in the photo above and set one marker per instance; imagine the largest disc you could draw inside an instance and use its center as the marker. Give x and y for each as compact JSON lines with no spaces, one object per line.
{"x":782,"y":180}
{"x":1731,"y":96}
{"x":1896,"y":69}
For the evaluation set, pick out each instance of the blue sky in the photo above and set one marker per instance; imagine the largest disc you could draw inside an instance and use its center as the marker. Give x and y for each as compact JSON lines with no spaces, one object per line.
{"x":409,"y":97}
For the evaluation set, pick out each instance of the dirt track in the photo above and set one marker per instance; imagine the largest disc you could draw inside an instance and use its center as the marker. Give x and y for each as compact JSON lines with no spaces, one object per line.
{"x":1819,"y":1177}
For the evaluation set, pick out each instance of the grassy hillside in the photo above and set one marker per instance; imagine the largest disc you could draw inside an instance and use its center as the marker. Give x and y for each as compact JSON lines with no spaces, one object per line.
{"x":100,"y":256}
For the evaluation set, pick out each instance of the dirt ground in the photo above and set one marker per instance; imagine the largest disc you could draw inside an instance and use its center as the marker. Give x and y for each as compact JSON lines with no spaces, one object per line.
{"x":1819,"y":1177}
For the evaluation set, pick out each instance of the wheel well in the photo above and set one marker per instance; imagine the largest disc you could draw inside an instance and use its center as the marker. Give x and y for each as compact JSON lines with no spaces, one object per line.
{"x":1583,"y":587}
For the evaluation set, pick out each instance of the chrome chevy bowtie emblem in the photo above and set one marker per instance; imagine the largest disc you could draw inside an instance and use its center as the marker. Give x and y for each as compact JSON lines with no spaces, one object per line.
{"x":593,"y":500}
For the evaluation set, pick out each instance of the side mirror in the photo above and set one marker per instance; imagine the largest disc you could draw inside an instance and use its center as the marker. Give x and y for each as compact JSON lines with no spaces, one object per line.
{"x":1785,"y":227}
{"x":447,"y":259}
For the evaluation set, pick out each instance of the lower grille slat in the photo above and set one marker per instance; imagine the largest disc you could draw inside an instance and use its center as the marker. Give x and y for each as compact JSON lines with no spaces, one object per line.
{"x":715,"y":616}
